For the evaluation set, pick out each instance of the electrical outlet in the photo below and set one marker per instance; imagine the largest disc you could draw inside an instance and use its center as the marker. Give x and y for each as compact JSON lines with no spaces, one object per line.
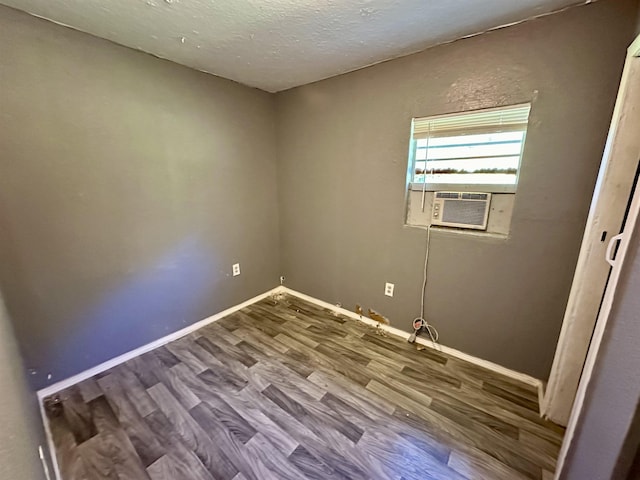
{"x":388,"y":289}
{"x":236,"y":269}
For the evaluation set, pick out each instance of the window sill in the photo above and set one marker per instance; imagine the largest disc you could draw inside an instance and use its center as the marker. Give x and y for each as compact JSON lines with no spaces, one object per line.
{"x":457,"y":187}
{"x":473,"y":233}
{"x":462,"y":232}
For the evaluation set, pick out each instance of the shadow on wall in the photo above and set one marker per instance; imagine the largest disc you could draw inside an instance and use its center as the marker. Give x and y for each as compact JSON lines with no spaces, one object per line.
{"x":21,"y":429}
{"x":176,"y":284}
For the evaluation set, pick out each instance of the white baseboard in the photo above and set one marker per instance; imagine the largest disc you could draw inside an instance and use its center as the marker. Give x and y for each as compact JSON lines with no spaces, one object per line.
{"x":68,"y":382}
{"x":522,"y":377}
{"x":50,"y":444}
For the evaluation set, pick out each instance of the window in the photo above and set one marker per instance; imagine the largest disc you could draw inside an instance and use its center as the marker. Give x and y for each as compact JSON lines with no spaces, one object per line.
{"x":479,"y":150}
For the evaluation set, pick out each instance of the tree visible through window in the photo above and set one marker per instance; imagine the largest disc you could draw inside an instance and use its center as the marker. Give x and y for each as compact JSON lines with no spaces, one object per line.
{"x":481,"y":149}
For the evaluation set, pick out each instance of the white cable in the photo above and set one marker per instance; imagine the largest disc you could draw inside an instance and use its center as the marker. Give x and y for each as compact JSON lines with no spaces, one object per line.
{"x":433,"y":333}
{"x":424,"y":172}
{"x":424,"y":280}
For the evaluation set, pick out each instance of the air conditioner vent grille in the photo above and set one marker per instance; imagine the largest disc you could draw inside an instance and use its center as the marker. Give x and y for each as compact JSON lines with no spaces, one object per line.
{"x":461,"y":209}
{"x":474,"y":196}
{"x":447,"y":195}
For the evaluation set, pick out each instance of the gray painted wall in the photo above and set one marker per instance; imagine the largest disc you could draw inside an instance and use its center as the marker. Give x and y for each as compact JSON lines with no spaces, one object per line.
{"x":342,"y":153}
{"x":18,"y":412}
{"x":129,"y":186}
{"x":614,"y":391}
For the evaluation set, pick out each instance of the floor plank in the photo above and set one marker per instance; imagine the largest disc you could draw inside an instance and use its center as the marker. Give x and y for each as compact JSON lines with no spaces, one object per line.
{"x":146,"y":444}
{"x":284,"y":389}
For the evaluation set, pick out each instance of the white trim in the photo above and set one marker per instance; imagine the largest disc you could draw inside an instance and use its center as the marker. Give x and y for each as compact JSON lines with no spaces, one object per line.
{"x":634,"y":48}
{"x":464,"y":187}
{"x":529,"y":380}
{"x":50,"y":444}
{"x":43,"y":459}
{"x":609,"y":296}
{"x":61,"y":385}
{"x":68,"y":382}
{"x":610,"y":199}
{"x":598,"y":333}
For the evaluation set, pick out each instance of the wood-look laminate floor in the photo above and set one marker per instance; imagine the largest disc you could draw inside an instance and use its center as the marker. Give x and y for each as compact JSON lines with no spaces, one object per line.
{"x":286,"y":390}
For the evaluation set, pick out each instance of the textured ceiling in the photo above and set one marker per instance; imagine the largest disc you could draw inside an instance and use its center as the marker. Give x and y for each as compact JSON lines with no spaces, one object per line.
{"x":279,"y":44}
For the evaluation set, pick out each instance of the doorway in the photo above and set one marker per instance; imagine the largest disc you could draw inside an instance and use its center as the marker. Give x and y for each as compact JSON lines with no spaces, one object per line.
{"x":601,"y":239}
{"x":612,"y":216}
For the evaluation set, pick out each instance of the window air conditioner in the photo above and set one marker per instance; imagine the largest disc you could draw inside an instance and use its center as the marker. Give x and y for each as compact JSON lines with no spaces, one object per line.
{"x":461,"y":209}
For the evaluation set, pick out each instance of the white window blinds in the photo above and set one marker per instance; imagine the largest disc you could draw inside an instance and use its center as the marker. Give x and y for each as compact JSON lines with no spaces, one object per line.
{"x":500,"y":119}
{"x":481,"y":150}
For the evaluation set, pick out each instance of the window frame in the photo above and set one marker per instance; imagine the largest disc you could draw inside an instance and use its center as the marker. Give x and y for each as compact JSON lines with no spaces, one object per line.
{"x":466,"y":187}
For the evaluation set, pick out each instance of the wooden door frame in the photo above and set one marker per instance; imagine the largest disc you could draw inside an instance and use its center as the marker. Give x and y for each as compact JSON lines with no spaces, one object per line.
{"x":632,"y":69}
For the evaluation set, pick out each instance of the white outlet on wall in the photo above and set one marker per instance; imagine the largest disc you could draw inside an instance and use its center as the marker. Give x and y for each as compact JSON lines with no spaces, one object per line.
{"x":388,"y":289}
{"x":236,"y":269}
